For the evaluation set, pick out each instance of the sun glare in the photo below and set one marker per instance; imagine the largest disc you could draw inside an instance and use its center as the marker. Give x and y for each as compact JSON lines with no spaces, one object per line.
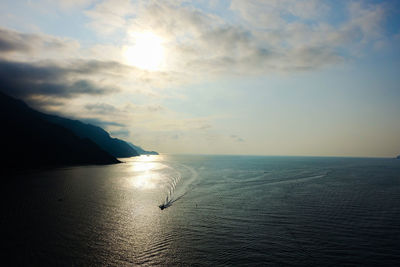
{"x":146,"y":53}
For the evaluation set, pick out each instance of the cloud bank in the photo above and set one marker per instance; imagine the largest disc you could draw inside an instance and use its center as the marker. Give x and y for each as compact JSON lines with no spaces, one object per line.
{"x":203,"y":41}
{"x":258,"y":37}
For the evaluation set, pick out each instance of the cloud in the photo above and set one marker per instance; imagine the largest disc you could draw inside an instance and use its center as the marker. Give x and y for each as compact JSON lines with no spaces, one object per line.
{"x":110,"y":16}
{"x":259,"y":37}
{"x":310,"y":21}
{"x":265,"y":36}
{"x":121,"y":133}
{"x":236,"y":138}
{"x":271,"y":14}
{"x":367,"y":20}
{"x":68,"y":4}
{"x":101,"y":123}
{"x":34,"y":45}
{"x":101,"y":108}
{"x":201,"y":44}
{"x":175,"y":136}
{"x":155,"y":108}
{"x":12,"y":41}
{"x":32,"y":79}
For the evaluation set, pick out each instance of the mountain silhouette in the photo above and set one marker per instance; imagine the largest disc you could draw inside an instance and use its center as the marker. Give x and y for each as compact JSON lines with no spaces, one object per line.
{"x":116,"y":147}
{"x":27,"y":140}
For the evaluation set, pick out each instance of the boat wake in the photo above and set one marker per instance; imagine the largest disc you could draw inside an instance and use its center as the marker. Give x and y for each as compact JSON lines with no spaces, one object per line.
{"x":185,"y":185}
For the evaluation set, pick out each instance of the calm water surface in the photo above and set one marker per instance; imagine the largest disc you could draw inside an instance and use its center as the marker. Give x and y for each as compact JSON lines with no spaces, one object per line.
{"x":226,"y":210}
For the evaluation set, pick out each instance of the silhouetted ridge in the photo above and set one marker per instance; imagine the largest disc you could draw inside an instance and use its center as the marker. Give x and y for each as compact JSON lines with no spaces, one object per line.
{"x":141,"y":151}
{"x":29,"y":141}
{"x":116,"y":147}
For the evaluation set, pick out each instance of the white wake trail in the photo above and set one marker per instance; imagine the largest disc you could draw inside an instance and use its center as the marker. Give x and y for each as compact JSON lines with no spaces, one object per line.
{"x":184,"y":185}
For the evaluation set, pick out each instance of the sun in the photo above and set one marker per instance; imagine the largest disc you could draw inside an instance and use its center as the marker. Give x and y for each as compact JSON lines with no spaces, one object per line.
{"x":146,"y":53}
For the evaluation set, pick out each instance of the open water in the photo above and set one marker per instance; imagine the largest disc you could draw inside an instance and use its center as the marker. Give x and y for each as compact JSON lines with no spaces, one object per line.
{"x":219,"y":210}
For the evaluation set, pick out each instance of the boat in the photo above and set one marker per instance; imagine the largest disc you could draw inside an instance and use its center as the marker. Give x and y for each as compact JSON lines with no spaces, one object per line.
{"x":165,"y":205}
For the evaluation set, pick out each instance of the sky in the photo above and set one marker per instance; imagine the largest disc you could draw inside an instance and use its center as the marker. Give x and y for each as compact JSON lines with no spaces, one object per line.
{"x":301,"y":78}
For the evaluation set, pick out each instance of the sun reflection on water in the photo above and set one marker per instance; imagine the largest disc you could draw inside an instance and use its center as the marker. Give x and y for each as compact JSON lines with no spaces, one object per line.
{"x":146,"y":181}
{"x":137,"y":214}
{"x":147,"y":172}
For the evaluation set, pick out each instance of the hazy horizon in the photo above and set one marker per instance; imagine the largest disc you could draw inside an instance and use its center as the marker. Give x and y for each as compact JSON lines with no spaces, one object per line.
{"x":267,"y":155}
{"x":229,"y":77}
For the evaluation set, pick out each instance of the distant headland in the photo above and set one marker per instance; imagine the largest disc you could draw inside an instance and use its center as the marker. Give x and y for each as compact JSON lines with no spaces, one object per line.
{"x":31,"y":139}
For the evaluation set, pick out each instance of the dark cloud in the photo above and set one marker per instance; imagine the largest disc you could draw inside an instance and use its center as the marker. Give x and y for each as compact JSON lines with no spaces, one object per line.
{"x":95,"y":66}
{"x":23,"y":80}
{"x":45,"y":79}
{"x":46,"y":103}
{"x":120,"y":133}
{"x":101,"y":123}
{"x":101,"y":107}
{"x":12,"y":41}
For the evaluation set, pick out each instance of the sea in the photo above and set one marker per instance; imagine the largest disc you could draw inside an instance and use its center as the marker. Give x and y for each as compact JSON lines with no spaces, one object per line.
{"x":205,"y":210}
